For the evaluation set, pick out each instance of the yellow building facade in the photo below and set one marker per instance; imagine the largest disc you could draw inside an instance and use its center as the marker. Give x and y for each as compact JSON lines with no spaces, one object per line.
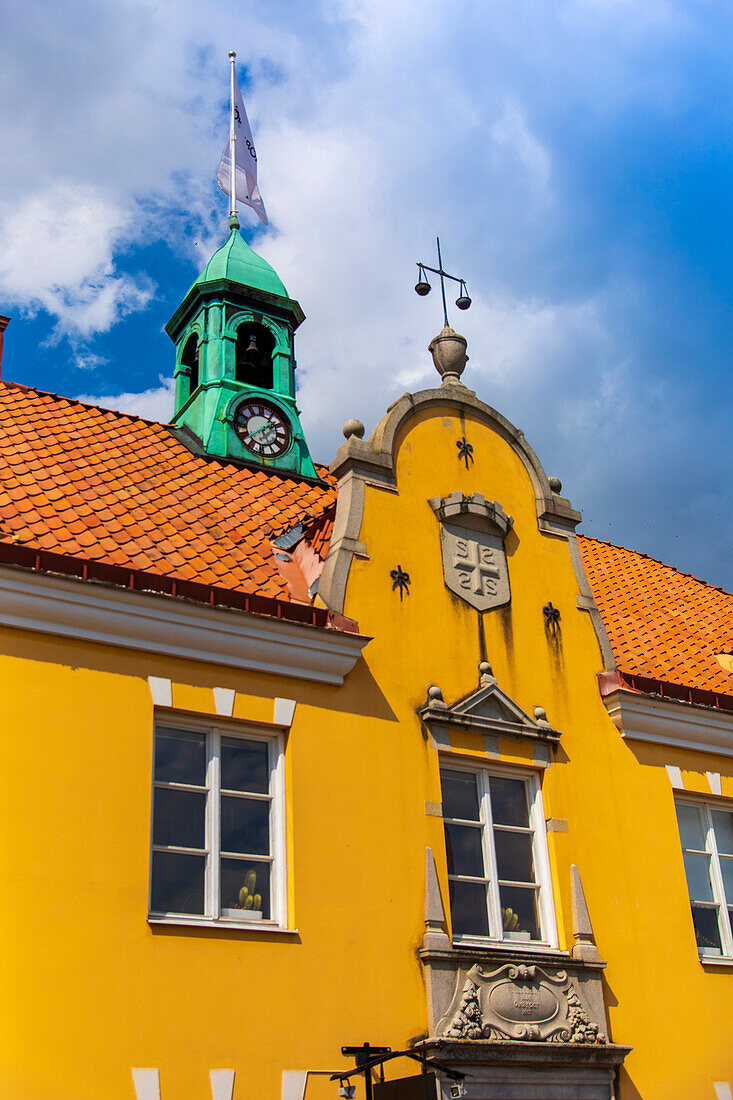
{"x":403,"y":809}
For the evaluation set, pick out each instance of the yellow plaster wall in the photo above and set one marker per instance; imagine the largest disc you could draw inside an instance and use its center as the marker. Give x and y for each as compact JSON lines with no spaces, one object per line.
{"x":615,"y":795}
{"x":90,"y":989}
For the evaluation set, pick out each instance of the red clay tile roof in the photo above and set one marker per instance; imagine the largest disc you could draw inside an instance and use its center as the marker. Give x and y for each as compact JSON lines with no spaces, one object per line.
{"x":108,"y":487}
{"x":662,"y":624}
{"x":104,"y":487}
{"x":319,"y":532}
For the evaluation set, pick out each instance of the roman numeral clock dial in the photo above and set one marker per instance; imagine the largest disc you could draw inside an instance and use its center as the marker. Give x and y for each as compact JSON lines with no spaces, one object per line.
{"x":262,"y":429}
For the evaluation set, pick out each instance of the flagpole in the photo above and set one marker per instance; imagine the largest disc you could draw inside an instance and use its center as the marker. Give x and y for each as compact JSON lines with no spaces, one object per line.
{"x":233,"y":220}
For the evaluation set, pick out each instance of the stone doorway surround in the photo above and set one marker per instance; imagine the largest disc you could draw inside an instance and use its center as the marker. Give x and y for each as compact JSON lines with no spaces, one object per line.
{"x":522,"y":1024}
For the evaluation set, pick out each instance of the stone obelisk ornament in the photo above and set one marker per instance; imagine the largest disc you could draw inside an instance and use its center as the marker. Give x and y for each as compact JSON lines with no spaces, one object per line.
{"x":448,"y":349}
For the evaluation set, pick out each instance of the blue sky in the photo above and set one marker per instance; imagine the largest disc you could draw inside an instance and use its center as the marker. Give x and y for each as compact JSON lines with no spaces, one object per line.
{"x":575,"y":158}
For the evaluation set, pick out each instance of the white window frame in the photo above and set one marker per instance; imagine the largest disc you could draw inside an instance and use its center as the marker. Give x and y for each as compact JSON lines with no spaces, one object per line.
{"x":725,"y":920}
{"x":540,"y":856}
{"x":213,"y":914}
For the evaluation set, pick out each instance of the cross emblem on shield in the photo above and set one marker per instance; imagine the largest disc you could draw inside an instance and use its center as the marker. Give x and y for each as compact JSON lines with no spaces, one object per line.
{"x":476,"y":566}
{"x":472,"y":544}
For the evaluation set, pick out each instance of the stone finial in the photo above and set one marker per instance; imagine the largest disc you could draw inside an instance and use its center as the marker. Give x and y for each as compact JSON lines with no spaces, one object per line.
{"x":353,"y":427}
{"x":449,"y":355}
{"x":485,"y":674}
{"x":584,"y":947}
{"x":435,"y":935}
{"x":435,"y":698}
{"x":555,"y":484}
{"x":540,"y":717}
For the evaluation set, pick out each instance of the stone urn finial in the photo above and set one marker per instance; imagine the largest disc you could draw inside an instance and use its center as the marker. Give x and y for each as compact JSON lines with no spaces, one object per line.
{"x":449,"y":355}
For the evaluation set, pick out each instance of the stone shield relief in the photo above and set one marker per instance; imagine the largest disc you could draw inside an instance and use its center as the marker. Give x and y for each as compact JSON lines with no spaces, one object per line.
{"x":475,"y":566}
{"x":472,"y":534}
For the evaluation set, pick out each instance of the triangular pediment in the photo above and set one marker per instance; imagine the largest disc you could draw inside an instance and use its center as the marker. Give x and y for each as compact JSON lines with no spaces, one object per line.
{"x":487,"y":710}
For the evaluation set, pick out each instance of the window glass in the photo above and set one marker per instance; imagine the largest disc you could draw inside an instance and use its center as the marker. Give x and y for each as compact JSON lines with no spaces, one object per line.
{"x":692,"y":830}
{"x":460,"y":797}
{"x":490,"y":847}
{"x":178,"y":883}
{"x":468,"y":909}
{"x":244,"y":765}
{"x":706,"y":832}
{"x":697,"y":869}
{"x":245,"y":826}
{"x":514,"y":856}
{"x":707,"y":929}
{"x":723,"y":825}
{"x":180,"y":757}
{"x":245,"y":887}
{"x":463,"y":848}
{"x":726,"y":866}
{"x":212,"y":835}
{"x":508,"y":801}
{"x":179,"y":818}
{"x":519,"y":912}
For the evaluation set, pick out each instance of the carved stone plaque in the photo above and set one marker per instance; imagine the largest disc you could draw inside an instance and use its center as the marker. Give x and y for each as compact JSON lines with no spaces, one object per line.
{"x":472,"y":543}
{"x":520,"y":1002}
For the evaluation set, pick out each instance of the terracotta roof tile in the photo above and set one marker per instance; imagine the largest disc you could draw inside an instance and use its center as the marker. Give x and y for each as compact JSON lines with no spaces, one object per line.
{"x":662,"y":624}
{"x":105,"y":486}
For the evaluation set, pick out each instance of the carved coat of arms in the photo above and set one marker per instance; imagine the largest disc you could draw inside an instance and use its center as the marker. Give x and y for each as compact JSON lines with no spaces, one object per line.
{"x":472,"y":532}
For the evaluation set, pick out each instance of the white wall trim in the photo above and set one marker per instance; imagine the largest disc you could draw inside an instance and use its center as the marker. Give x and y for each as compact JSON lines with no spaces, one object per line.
{"x":675,"y":776}
{"x":161,"y":690}
{"x":714,"y":782}
{"x":147,"y":1084}
{"x":294,"y":1082}
{"x":87,"y":611}
{"x":224,"y":701}
{"x":676,"y":724}
{"x":283,"y":713}
{"x":222,"y":1083}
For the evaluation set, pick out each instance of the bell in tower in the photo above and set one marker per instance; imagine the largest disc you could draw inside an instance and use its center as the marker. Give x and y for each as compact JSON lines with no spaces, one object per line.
{"x":235,"y":364}
{"x":253,"y":365}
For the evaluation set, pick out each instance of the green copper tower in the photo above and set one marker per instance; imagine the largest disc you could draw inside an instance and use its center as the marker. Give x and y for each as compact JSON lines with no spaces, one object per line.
{"x":235,"y":364}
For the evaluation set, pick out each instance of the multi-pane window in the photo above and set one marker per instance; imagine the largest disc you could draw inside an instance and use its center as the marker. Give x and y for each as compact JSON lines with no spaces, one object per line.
{"x":216,"y":826}
{"x":706,"y":833}
{"x":497,"y":859}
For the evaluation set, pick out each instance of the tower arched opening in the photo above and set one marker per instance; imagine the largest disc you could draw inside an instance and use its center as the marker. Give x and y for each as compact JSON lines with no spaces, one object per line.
{"x":190,"y":361}
{"x":253,"y":362}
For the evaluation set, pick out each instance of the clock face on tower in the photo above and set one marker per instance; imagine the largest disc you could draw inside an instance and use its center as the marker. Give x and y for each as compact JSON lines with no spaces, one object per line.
{"x":262,"y":428}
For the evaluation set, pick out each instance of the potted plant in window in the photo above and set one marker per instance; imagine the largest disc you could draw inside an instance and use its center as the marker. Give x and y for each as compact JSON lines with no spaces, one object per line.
{"x":249,"y":904}
{"x":512,"y":931}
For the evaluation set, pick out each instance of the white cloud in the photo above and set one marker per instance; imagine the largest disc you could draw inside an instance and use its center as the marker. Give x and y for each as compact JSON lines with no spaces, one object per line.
{"x":57,"y":256}
{"x":379,"y":124}
{"x":153,"y":404}
{"x":513,"y":137}
{"x":88,"y":360}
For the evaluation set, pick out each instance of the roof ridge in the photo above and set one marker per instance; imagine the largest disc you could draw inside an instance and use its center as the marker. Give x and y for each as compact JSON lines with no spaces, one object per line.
{"x":650,"y":557}
{"x":84,"y":404}
{"x":9,"y":384}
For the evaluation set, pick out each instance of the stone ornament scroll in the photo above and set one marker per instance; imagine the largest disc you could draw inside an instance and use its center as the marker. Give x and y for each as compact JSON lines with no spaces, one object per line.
{"x":520,"y":1002}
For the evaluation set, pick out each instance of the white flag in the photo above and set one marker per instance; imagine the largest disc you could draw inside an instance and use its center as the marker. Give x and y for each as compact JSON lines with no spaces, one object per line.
{"x":245,"y":161}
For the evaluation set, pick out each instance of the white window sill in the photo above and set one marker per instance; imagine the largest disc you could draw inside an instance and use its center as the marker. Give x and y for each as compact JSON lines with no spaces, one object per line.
{"x":258,"y":927}
{"x":716,"y":960}
{"x":509,"y":945}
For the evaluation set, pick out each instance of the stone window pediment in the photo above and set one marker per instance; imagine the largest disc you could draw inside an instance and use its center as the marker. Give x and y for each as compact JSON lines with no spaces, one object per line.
{"x":488,"y":710}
